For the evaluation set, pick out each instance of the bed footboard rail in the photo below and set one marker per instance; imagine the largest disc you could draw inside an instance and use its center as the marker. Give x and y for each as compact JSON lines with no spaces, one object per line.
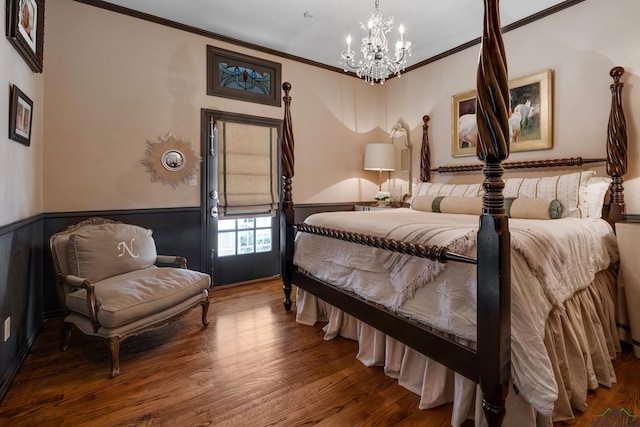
{"x":460,"y":358}
{"x":433,"y":253}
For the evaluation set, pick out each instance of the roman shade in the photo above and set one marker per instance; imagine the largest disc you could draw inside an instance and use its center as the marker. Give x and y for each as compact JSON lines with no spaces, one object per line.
{"x":247,"y":170}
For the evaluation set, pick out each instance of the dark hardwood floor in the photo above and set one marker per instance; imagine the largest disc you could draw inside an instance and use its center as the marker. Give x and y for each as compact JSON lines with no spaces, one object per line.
{"x":252,"y":366}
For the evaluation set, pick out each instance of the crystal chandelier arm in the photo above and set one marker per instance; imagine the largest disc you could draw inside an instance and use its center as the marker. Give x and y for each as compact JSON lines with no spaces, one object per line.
{"x":347,"y":56}
{"x":377,"y":63}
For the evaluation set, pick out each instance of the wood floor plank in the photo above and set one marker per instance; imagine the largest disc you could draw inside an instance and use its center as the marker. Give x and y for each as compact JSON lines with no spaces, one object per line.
{"x":253,"y":365}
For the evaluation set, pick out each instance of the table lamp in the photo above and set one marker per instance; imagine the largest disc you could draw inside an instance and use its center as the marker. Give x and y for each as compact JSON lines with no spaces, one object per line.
{"x":380,"y":157}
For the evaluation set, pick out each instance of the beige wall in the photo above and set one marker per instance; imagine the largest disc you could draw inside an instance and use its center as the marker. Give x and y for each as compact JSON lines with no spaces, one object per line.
{"x":112,"y":83}
{"x":125,"y":81}
{"x":21,"y":171}
{"x":580,"y":44}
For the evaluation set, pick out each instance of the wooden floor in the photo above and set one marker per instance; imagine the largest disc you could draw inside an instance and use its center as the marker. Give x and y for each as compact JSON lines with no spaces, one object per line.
{"x":252,"y":366}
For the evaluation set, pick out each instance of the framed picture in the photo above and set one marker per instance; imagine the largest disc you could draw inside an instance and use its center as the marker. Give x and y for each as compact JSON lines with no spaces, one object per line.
{"x":530,"y":116}
{"x":232,"y":75}
{"x":25,"y":30}
{"x":20,"y":116}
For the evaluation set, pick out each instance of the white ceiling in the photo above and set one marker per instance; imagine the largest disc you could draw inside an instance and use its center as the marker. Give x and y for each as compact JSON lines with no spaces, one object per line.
{"x":316,"y":29}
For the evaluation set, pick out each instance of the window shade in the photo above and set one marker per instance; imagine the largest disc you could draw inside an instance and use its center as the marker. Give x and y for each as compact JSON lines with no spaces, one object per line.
{"x":247,"y":170}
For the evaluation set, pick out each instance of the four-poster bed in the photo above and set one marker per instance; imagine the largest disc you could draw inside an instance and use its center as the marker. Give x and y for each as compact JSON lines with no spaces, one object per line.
{"x":483,"y":356}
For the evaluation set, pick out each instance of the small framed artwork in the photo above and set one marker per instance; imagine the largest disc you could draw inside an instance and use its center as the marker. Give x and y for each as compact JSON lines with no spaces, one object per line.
{"x":25,"y":30}
{"x":530,"y":116}
{"x":237,"y":76}
{"x":20,"y":116}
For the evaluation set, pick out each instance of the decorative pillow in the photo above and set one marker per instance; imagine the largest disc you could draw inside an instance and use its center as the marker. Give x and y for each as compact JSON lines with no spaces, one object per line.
{"x":592,"y":196}
{"x":454,"y":204}
{"x":532,"y":208}
{"x":525,"y":208}
{"x":101,"y":251}
{"x":457,"y":190}
{"x":564,"y":188}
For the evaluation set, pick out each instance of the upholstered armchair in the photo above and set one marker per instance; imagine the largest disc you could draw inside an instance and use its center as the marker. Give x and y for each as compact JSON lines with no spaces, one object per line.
{"x":111,"y":283}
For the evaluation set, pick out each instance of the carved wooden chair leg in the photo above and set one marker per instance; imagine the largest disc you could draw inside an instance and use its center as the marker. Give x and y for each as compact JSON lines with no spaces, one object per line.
{"x":114,"y":348}
{"x":205,"y":310}
{"x":65,"y":331}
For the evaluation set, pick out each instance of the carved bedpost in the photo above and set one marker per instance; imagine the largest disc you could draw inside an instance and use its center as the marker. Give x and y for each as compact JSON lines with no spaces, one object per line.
{"x":425,"y":154}
{"x":494,"y":261}
{"x":616,"y":147}
{"x":287,"y":218}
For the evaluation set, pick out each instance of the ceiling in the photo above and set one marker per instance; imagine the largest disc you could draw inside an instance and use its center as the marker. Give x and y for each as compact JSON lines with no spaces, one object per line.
{"x":316,"y":29}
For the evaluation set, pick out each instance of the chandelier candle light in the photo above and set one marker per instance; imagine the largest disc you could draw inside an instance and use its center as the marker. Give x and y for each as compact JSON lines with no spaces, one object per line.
{"x":376,"y":65}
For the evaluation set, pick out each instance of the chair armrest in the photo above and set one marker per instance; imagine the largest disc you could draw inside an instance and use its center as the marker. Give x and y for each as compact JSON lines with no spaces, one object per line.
{"x":77,"y":282}
{"x":171,"y":259}
{"x":92,"y":304}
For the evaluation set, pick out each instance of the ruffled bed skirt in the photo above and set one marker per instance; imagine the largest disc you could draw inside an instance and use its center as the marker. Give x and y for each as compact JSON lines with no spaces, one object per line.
{"x":581,"y":340}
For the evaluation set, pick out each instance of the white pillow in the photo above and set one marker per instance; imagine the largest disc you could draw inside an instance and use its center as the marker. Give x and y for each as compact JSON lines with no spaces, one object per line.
{"x":564,"y":188}
{"x":449,"y":190}
{"x":592,"y":196}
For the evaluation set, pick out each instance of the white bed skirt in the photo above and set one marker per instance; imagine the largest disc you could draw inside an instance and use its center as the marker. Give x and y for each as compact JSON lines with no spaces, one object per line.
{"x":581,"y":340}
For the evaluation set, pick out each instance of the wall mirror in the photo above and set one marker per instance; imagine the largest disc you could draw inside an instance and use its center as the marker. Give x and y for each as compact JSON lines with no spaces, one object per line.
{"x":403,"y":174}
{"x":171,"y":160}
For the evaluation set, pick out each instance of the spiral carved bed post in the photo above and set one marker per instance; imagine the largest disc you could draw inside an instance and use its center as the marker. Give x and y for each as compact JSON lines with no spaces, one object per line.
{"x":287,"y":218}
{"x":616,"y":147}
{"x":494,"y":261}
{"x":425,"y":154}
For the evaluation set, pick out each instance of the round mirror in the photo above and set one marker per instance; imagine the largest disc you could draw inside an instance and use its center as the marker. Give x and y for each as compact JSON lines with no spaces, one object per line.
{"x":179,"y":162}
{"x":173,"y":160}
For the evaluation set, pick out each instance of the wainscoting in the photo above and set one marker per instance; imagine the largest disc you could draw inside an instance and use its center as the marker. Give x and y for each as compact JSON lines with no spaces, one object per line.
{"x":27,"y":282}
{"x":21,"y":252}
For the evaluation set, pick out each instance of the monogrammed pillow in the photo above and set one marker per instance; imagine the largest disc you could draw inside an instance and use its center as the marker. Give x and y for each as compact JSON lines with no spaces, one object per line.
{"x":100,"y":251}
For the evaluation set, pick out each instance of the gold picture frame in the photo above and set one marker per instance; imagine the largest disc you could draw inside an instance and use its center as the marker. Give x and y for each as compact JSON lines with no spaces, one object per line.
{"x":530,"y":116}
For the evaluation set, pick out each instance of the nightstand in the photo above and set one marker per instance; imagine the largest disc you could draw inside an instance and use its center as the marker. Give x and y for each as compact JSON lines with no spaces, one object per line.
{"x":628,"y":235}
{"x":373,"y":207}
{"x":370,"y":207}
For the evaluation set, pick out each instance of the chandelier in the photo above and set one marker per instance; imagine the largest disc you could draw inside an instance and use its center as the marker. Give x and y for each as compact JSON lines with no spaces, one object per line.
{"x":376,"y":65}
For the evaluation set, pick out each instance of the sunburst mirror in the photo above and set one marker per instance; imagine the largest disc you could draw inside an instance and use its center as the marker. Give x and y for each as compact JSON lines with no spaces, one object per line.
{"x":171,"y":160}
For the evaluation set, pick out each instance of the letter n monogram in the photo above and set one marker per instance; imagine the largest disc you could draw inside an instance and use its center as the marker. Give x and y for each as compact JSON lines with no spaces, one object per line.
{"x":122,"y":246}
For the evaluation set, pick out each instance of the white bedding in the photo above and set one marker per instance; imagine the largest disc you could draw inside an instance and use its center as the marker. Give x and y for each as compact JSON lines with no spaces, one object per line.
{"x":551,"y":260}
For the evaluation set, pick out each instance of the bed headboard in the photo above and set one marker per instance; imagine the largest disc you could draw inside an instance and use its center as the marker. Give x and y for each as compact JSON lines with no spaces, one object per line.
{"x":616,"y":160}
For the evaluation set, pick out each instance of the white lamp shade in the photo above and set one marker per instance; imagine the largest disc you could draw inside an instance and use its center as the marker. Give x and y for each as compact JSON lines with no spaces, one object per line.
{"x":380,"y":157}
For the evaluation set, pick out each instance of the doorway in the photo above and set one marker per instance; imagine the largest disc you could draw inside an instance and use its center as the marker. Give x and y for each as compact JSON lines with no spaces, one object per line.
{"x":242,"y":240}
